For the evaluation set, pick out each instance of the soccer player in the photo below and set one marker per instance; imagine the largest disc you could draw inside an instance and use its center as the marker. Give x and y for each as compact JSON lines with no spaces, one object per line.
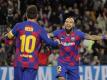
{"x":28,"y":35}
{"x":68,"y":60}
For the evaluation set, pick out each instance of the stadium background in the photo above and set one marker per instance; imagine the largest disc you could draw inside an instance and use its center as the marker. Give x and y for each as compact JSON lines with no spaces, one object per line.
{"x":90,"y":16}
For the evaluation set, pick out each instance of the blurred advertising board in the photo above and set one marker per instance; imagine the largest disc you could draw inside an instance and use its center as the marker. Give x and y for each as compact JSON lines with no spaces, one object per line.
{"x":49,"y":73}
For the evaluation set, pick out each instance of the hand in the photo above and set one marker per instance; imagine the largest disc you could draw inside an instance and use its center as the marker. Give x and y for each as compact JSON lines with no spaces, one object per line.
{"x":59,"y":42}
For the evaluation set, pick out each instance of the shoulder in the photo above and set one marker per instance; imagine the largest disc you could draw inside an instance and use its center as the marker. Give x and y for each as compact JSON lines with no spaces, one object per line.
{"x":80,"y":33}
{"x":59,"y":30}
{"x":40,"y":28}
{"x":18,"y":25}
{"x":77,"y":31}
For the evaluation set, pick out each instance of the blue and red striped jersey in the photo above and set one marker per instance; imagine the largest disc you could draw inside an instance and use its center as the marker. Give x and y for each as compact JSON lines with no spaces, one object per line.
{"x":28,"y":37}
{"x":68,"y":53}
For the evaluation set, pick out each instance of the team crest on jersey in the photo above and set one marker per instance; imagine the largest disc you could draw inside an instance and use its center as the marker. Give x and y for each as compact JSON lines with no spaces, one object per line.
{"x":62,"y":38}
{"x":72,"y":39}
{"x":28,"y":28}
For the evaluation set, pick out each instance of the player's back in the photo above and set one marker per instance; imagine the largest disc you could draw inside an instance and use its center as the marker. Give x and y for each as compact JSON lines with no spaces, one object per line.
{"x":27,"y":44}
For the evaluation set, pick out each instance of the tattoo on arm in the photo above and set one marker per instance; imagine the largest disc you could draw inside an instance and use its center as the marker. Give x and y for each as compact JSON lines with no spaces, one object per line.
{"x":93,"y":37}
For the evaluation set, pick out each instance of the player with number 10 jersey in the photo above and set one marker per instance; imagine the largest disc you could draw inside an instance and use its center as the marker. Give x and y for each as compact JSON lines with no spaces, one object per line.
{"x":28,"y":41}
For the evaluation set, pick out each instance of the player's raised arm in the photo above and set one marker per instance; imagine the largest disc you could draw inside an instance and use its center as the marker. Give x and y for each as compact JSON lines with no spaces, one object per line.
{"x":11,"y":33}
{"x":95,"y":37}
{"x":8,"y":35}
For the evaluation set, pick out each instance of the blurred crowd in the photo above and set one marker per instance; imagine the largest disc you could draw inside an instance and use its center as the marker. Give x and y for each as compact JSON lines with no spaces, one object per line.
{"x":90,"y":17}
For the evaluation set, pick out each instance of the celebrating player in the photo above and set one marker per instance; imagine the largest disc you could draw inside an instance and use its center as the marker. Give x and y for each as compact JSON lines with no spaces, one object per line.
{"x":28,"y":36}
{"x":68,"y":60}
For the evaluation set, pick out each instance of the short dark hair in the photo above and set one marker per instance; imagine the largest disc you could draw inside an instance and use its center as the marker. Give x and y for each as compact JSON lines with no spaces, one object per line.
{"x":31,"y":12}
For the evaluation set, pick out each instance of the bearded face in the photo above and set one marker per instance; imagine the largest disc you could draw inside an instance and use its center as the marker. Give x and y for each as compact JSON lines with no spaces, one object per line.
{"x":69,"y":24}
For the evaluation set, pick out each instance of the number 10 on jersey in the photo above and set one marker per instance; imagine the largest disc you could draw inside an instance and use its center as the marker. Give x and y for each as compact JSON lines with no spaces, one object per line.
{"x":27,"y":43}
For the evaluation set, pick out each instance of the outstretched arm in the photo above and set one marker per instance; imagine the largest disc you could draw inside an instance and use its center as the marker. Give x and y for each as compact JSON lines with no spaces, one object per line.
{"x":95,"y":37}
{"x":48,"y":40}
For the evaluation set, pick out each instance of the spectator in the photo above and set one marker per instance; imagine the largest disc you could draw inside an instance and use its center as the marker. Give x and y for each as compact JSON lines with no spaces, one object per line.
{"x":52,"y":60}
{"x":95,"y":61}
{"x":43,"y":55}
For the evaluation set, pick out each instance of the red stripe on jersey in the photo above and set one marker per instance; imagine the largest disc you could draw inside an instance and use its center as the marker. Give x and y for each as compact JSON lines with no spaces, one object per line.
{"x":34,"y":33}
{"x":72,"y":53}
{"x":25,"y":64}
{"x":22,"y":32}
{"x":72,"y":63}
{"x":19,"y":58}
{"x":36,"y":53}
{"x":67,"y":59}
{"x":36,"y":66}
{"x":67,"y":49}
{"x":31,"y":59}
{"x":77,"y":57}
{"x":77,"y":38}
{"x":62,"y":53}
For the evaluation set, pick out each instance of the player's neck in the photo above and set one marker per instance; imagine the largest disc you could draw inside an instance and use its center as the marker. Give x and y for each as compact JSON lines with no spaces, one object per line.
{"x":32,"y":20}
{"x":68,"y":32}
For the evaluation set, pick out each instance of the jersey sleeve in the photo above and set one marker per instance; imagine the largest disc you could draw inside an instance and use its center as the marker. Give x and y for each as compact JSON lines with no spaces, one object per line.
{"x":81,"y":34}
{"x":15,"y":29}
{"x":48,"y":41}
{"x":56,"y":33}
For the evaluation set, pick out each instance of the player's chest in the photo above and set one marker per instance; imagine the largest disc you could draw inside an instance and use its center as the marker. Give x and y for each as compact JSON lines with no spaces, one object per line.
{"x":69,"y":39}
{"x":73,"y":37}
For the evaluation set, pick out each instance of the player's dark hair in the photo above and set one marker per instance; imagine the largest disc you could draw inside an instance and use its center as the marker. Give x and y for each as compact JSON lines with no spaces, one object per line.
{"x":31,"y":12}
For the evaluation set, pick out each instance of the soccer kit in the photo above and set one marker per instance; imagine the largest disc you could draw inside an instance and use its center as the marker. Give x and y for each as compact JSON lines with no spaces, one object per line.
{"x":68,"y":60}
{"x":28,"y":37}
